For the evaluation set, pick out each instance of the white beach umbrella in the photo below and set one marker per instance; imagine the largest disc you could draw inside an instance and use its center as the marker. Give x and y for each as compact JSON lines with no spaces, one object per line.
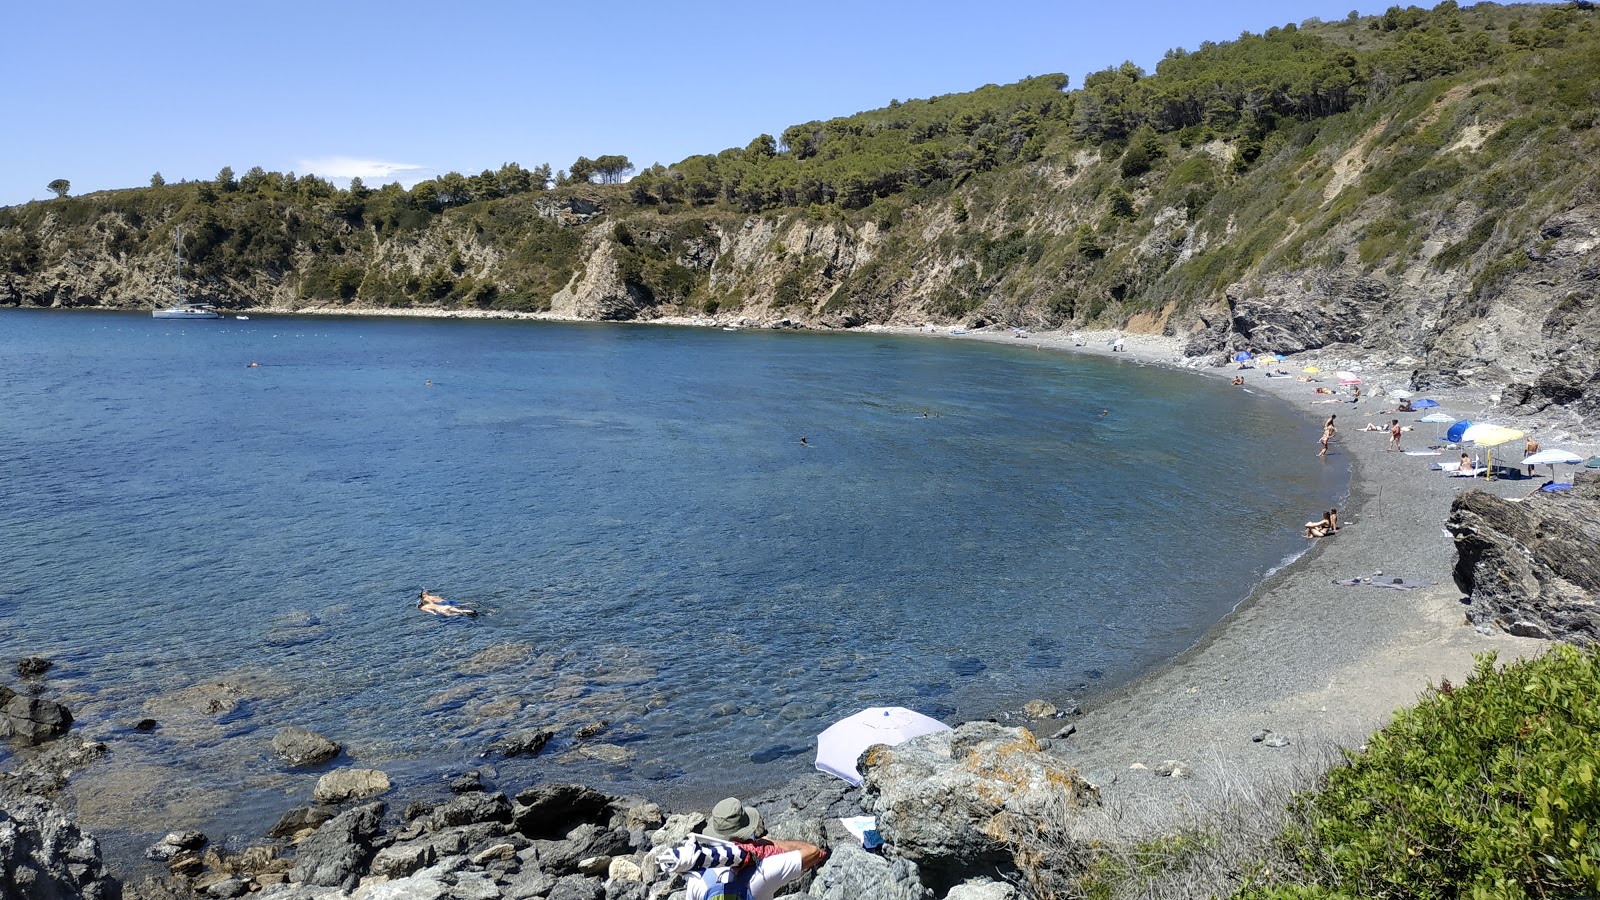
{"x":1552,"y":458}
{"x":1437,"y":418}
{"x":843,"y":742}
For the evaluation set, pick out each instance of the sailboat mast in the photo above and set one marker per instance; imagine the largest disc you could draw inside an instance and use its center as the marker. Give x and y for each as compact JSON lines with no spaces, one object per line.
{"x":177,"y":258}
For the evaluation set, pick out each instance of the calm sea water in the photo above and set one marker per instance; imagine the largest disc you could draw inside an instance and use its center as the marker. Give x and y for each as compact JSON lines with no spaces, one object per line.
{"x":655,"y":553}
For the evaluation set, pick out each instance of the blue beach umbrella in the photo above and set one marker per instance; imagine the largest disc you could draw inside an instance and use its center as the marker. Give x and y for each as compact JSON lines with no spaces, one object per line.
{"x":1424,"y":403}
{"x":1456,"y":431}
{"x":1241,"y":356}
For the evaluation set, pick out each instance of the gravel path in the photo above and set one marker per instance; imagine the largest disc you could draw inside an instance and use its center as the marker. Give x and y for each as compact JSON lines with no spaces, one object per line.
{"x":1318,"y":664}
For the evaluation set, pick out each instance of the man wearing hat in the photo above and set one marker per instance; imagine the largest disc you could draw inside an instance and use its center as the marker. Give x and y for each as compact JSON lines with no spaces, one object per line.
{"x":771,"y":863}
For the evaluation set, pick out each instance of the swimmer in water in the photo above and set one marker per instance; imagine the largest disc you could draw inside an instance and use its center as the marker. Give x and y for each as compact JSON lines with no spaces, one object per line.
{"x":439,"y":606}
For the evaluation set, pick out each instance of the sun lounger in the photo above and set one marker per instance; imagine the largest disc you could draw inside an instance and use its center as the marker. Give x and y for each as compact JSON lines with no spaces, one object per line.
{"x":1470,"y":473}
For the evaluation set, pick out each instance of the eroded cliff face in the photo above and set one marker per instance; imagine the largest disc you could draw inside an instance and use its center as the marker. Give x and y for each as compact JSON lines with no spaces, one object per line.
{"x":1531,"y":568}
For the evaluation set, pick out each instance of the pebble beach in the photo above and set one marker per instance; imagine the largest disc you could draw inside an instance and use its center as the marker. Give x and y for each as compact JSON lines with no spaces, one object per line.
{"x":1304,"y":666}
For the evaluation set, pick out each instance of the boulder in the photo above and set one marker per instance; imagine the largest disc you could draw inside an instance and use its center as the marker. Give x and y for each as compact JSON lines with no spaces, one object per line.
{"x":401,"y":860}
{"x":577,"y":887}
{"x":299,"y":747}
{"x":33,"y":666}
{"x":852,"y":873}
{"x":336,"y":853}
{"x":562,"y":857}
{"x":982,"y":889}
{"x":34,"y":720}
{"x":1002,"y":783}
{"x":1531,"y":568}
{"x":473,"y":886}
{"x":527,"y":884}
{"x":350,"y":784}
{"x":44,"y":856}
{"x":175,"y":844}
{"x":552,"y":810}
{"x":470,"y":809}
{"x":307,"y":818}
{"x":527,"y":742}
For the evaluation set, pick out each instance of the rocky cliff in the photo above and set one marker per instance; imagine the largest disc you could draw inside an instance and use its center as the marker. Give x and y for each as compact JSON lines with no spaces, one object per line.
{"x":1531,"y":568}
{"x":1443,"y":217}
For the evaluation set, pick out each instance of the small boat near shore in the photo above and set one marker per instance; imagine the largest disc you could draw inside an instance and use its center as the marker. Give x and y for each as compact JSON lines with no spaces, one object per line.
{"x":179,"y":308}
{"x":242,"y":318}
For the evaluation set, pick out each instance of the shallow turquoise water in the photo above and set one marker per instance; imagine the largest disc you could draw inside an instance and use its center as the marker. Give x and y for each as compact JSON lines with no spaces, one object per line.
{"x":632,"y":510}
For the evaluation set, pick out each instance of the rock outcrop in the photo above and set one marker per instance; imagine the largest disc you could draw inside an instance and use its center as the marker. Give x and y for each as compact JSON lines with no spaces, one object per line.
{"x":300,"y":747}
{"x":1531,"y":568}
{"x":31,"y":720}
{"x":43,"y":855}
{"x":963,"y":803}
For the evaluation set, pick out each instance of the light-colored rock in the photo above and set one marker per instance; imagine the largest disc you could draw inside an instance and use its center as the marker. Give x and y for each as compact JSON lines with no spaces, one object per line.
{"x":350,"y":784}
{"x":1039,"y":709}
{"x":624,"y":869}
{"x":401,"y":860}
{"x":982,"y":889}
{"x":1004,"y":780}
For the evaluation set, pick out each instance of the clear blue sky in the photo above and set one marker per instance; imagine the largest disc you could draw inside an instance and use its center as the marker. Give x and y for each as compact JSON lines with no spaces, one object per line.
{"x":106,"y":93}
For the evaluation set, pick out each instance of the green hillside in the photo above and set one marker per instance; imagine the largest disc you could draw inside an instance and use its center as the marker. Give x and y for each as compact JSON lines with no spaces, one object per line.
{"x":1418,"y":155}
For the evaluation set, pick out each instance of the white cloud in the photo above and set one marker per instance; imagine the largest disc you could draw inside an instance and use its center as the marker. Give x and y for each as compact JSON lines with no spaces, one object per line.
{"x":373,"y":172}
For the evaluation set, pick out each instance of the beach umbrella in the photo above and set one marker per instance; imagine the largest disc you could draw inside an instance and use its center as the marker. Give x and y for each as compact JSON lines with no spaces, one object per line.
{"x":1424,"y":403}
{"x":1456,"y":431}
{"x":1311,"y":369}
{"x":844,"y":741}
{"x":1593,"y":463}
{"x":1277,"y":357}
{"x":1437,"y":418}
{"x":1487,"y":434}
{"x":1346,"y":375}
{"x":1241,"y":356}
{"x":1552,"y":458}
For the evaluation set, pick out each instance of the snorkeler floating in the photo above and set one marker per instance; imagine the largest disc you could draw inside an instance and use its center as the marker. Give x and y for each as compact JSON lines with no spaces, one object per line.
{"x":439,"y":606}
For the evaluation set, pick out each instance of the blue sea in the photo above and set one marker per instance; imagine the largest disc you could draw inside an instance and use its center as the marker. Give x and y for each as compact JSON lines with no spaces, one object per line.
{"x":667,"y":576}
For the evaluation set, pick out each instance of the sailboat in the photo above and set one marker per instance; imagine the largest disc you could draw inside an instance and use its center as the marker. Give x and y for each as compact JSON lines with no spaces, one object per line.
{"x":179,"y":309}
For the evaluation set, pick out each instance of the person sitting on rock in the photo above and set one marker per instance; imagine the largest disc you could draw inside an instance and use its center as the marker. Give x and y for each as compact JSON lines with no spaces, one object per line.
{"x":439,"y":606}
{"x":767,"y":863}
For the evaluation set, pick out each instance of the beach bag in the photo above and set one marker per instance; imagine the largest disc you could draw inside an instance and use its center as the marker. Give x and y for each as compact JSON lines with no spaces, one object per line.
{"x":737,"y":887}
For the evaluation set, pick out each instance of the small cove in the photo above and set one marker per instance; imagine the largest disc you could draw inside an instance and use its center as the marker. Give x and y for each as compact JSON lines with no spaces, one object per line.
{"x":230,"y":550}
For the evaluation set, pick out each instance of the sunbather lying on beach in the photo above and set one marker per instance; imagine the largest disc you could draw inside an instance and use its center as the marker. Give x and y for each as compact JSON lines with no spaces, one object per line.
{"x":439,"y":606}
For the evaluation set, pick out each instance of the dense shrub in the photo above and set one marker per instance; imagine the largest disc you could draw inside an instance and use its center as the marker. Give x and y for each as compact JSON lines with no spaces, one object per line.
{"x":1483,"y":790}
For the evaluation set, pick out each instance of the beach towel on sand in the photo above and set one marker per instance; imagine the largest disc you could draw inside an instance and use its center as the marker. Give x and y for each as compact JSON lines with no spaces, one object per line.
{"x":1399,"y":584}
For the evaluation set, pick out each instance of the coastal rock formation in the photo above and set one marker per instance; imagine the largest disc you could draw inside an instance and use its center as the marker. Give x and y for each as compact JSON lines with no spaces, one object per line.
{"x":1531,"y":568}
{"x":44,"y":856}
{"x":300,"y":747}
{"x":350,"y":784}
{"x":31,"y":720}
{"x":336,"y":853}
{"x":957,"y":803}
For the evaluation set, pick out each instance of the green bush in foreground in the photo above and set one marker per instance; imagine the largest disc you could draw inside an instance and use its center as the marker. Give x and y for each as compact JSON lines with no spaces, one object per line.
{"x":1483,"y":790}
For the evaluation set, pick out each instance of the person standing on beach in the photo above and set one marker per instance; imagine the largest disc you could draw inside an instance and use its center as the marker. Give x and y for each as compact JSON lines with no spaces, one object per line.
{"x":1327,"y":435}
{"x":1394,"y":434}
{"x":1529,"y":449}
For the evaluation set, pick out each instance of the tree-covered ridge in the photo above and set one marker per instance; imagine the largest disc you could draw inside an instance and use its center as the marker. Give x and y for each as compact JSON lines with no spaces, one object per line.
{"x":1305,"y":146}
{"x":851,"y":161}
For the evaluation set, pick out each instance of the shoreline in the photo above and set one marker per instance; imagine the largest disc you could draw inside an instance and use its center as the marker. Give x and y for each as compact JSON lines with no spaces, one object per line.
{"x":1318,"y":664}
